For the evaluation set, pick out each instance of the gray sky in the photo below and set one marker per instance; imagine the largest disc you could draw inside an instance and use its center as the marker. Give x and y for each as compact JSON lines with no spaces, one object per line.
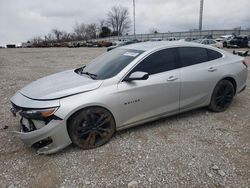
{"x":21,"y":20}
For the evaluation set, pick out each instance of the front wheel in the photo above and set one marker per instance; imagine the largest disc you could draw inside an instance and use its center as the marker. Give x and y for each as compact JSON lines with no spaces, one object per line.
{"x":222,"y":96}
{"x":91,"y":127}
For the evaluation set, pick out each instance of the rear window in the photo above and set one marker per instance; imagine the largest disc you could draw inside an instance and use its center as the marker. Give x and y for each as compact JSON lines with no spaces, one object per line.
{"x":212,"y":55}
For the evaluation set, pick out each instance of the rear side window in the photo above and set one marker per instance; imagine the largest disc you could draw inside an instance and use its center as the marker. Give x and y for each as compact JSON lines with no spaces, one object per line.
{"x":212,"y":55}
{"x":192,"y":55}
{"x":160,"y":61}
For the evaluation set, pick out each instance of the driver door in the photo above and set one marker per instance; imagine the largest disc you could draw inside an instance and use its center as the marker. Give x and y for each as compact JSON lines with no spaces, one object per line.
{"x":142,"y":100}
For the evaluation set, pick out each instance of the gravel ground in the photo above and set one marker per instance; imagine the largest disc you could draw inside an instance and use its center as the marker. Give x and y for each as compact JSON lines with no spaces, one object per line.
{"x":194,"y":149}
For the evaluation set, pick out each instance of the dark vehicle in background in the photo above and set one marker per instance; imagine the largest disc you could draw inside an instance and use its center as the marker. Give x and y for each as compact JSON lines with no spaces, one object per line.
{"x":11,"y":46}
{"x":240,"y":41}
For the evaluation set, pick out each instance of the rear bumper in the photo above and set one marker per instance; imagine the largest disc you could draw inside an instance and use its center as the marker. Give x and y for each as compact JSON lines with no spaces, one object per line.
{"x":56,"y":130}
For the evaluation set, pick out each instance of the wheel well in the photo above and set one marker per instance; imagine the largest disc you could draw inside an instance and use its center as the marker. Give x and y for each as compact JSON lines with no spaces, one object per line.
{"x":72,"y":115}
{"x":230,"y":79}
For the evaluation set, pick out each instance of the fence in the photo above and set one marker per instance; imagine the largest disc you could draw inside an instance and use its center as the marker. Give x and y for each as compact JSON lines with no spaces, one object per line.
{"x":179,"y":35}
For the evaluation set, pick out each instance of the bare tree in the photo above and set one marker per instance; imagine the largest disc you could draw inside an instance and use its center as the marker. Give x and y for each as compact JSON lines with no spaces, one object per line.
{"x":80,"y":31}
{"x":91,"y":31}
{"x":36,"y":41}
{"x":49,"y":37}
{"x":118,"y":19}
{"x":66,"y":37}
{"x":57,"y":34}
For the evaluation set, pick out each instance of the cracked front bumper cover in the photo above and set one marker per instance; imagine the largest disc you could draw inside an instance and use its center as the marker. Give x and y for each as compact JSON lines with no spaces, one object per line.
{"x":55,"y":130}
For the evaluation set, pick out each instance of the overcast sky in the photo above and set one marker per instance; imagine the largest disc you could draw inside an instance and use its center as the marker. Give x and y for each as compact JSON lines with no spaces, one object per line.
{"x":21,"y":20}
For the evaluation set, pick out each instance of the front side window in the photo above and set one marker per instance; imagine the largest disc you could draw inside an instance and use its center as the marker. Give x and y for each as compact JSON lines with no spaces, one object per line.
{"x":160,"y":61}
{"x":110,"y":63}
{"x":192,"y":55}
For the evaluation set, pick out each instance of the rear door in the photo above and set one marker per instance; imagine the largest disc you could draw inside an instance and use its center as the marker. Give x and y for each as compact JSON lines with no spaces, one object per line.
{"x":159,"y":94}
{"x":199,"y":74}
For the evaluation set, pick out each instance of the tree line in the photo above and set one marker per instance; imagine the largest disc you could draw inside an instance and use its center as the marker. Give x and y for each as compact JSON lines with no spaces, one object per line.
{"x":117,"y":22}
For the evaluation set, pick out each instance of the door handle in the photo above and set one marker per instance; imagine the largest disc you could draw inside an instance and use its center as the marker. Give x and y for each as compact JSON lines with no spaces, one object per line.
{"x":172,"y":78}
{"x":211,"y":69}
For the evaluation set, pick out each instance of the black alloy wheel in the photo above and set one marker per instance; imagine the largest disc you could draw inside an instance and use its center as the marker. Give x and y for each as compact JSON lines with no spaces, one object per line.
{"x":91,"y":127}
{"x":222,"y":97}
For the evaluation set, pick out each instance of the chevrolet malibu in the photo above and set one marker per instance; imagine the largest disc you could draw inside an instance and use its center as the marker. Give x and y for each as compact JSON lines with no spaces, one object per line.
{"x":127,"y":86}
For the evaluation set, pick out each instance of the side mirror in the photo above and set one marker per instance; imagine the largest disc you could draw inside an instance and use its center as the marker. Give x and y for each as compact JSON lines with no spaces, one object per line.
{"x":137,"y":76}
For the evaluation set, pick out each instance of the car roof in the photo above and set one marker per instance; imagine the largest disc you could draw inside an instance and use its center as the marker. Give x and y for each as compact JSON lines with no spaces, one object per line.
{"x":154,"y":45}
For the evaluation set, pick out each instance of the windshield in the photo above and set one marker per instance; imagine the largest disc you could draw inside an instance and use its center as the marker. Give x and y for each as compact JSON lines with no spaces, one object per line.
{"x":110,"y":63}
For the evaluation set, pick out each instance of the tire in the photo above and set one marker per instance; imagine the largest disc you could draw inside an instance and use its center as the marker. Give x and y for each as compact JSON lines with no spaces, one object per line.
{"x":91,"y":127}
{"x":222,"y":96}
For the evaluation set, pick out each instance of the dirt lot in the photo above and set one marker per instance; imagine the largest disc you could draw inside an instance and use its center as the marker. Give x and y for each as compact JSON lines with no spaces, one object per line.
{"x":194,"y":149}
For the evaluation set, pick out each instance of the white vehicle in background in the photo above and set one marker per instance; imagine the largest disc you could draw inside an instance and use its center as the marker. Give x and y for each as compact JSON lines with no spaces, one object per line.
{"x":210,"y":42}
{"x":223,"y":39}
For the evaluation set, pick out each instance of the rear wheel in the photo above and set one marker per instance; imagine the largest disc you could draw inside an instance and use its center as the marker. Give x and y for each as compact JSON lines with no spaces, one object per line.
{"x":91,"y":127}
{"x":222,"y":96}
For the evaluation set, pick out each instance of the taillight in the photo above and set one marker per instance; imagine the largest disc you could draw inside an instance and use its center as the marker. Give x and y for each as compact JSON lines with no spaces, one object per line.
{"x":245,"y":63}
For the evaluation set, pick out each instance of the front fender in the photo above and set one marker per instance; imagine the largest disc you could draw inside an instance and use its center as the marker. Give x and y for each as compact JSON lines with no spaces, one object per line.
{"x":70,"y":105}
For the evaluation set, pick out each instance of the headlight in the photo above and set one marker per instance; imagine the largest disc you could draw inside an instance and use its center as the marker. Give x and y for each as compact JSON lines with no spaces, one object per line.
{"x":39,"y":114}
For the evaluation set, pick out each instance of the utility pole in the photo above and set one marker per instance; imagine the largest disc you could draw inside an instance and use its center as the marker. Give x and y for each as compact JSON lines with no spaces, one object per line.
{"x":134,"y":15}
{"x":201,"y":14}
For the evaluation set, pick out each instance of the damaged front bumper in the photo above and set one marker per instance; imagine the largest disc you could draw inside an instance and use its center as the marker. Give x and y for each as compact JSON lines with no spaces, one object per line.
{"x":46,"y":136}
{"x":48,"y":139}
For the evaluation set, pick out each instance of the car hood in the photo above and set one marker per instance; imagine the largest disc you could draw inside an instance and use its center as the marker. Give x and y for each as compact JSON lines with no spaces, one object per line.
{"x":60,"y":85}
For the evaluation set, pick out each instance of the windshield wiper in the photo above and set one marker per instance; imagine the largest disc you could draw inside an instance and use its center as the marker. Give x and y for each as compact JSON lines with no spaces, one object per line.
{"x":91,"y":75}
{"x":81,"y":71}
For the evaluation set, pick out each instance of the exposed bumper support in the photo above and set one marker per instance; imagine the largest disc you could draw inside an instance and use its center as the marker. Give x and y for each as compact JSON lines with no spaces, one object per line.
{"x":56,"y":130}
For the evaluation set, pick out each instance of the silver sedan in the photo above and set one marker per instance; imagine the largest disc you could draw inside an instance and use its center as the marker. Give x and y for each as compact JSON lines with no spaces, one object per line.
{"x":127,"y":86}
